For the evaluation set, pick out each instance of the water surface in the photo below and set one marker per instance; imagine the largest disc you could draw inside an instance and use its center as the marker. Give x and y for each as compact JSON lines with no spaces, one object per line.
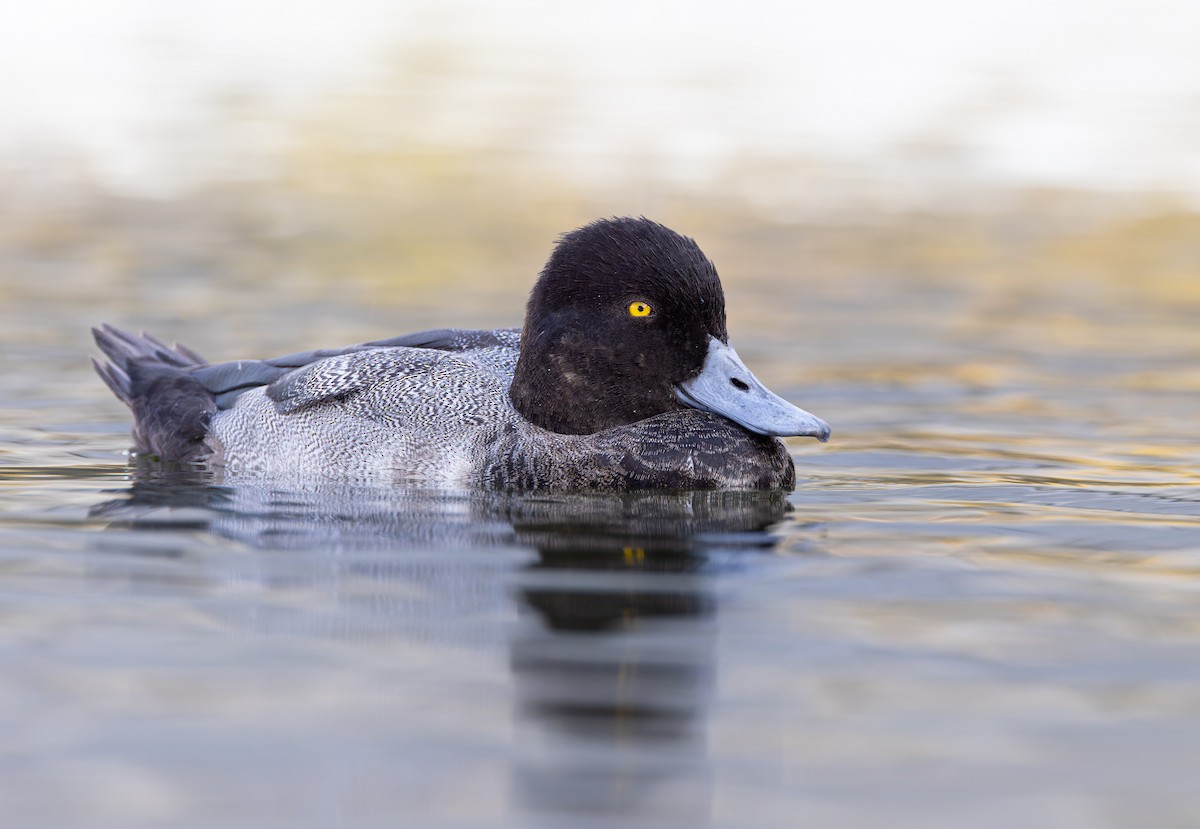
{"x":978,"y":607}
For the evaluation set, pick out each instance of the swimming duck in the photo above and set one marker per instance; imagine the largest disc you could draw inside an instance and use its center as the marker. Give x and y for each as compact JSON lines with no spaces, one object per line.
{"x":621,"y":378}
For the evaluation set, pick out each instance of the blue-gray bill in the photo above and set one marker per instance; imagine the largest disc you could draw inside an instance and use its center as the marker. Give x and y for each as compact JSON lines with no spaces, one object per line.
{"x":726,"y":387}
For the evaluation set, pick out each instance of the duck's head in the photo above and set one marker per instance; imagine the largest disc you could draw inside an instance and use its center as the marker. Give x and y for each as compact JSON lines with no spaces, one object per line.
{"x":627,"y":321}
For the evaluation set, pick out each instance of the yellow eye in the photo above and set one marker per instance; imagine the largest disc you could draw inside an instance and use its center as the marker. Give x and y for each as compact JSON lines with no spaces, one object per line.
{"x":640,"y":309}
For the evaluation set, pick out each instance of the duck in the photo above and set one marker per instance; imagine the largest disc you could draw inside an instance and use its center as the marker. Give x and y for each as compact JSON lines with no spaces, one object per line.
{"x":621,"y":378}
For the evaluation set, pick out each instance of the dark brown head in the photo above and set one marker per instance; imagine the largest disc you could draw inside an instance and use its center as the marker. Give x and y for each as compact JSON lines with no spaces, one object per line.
{"x":627,"y":321}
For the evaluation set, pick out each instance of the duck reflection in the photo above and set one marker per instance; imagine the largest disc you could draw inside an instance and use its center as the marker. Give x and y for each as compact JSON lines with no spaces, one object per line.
{"x":615,"y":662}
{"x":613,"y":652}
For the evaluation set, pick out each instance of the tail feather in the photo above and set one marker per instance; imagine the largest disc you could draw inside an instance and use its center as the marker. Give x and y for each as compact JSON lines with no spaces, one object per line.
{"x":116,"y":379}
{"x":187,"y":354}
{"x":171,"y":408}
{"x":122,"y":347}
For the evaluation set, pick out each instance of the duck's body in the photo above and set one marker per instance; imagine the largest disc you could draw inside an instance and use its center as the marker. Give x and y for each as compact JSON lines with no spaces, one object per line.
{"x":601,"y":390}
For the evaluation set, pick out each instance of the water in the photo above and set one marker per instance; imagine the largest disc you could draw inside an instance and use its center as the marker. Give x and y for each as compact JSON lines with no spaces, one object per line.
{"x":976,"y":609}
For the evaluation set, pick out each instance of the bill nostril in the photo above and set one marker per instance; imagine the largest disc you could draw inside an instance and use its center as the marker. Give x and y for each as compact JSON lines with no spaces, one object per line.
{"x":738,"y":384}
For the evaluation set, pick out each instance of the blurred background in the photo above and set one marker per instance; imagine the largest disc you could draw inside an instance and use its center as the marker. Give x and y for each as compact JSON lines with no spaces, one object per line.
{"x":380,"y":152}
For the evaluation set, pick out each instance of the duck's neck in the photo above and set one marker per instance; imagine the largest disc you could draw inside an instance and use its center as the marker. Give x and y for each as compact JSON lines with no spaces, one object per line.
{"x":565,"y":384}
